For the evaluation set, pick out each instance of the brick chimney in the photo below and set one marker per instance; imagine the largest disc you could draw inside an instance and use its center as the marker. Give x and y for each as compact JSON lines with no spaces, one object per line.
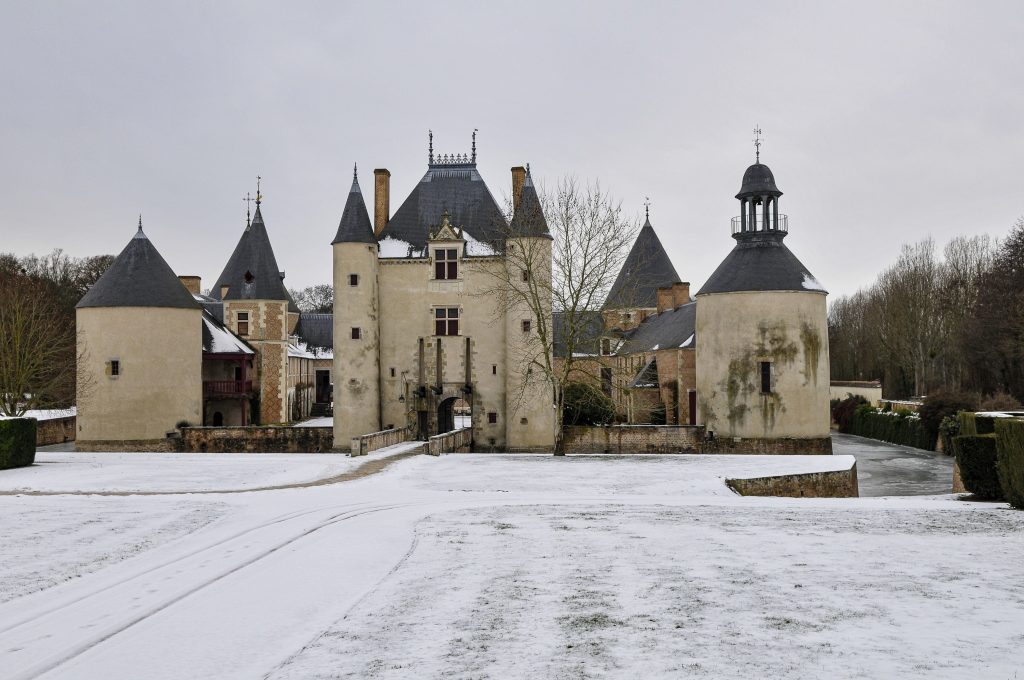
{"x":518,"y":177}
{"x":680,"y":293}
{"x":191,"y":283}
{"x":381,"y":199}
{"x":665,"y":298}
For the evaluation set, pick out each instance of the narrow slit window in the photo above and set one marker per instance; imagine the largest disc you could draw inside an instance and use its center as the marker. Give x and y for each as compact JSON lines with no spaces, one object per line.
{"x":527,"y":325}
{"x":446,"y":321}
{"x":526,"y":275}
{"x":392,"y":372}
{"x":115,"y":367}
{"x":357,"y":333}
{"x":494,"y":369}
{"x":492,"y":417}
{"x":353,"y":279}
{"x":766,"y":377}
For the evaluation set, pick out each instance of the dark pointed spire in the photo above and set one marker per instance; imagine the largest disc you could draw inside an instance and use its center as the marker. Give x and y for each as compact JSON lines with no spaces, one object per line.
{"x":252,"y":272}
{"x":139,"y":277}
{"x":646,"y":269}
{"x":355,"y":226}
{"x":528,"y":219}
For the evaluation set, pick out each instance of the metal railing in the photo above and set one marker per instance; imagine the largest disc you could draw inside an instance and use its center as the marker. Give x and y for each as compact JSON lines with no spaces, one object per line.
{"x":758,"y":224}
{"x":227,"y":387}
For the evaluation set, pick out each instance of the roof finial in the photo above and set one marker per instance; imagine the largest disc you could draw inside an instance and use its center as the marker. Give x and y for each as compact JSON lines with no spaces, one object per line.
{"x":248,"y":199}
{"x":647,"y":208}
{"x":259,"y":195}
{"x":355,"y":172}
{"x":757,"y":143}
{"x":430,"y":159}
{"x":474,"y":144}
{"x":140,"y":221}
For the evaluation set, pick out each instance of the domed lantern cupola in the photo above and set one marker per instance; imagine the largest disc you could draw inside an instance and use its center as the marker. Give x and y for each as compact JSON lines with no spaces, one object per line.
{"x":759,"y":202}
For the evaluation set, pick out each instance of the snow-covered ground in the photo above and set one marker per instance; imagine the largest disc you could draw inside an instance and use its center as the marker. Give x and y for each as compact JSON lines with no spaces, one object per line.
{"x":492,"y":566}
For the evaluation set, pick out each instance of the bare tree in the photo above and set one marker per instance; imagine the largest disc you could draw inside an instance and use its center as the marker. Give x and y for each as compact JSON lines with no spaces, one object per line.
{"x":566,"y":277}
{"x":315,"y":299}
{"x":37,"y":359}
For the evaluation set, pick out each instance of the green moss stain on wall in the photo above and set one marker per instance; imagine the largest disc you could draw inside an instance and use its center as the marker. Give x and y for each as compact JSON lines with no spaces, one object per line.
{"x":741,"y":384}
{"x":811,"y":340}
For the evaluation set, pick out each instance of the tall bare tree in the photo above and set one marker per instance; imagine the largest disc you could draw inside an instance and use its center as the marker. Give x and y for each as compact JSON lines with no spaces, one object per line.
{"x":566,"y":277}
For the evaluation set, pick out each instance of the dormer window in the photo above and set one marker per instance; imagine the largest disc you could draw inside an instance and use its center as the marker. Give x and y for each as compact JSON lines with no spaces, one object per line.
{"x":606,"y":347}
{"x":249,"y":278}
{"x":446,"y":263}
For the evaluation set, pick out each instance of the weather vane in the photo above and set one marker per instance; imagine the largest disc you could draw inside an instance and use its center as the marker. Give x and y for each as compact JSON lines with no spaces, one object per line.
{"x":475,"y":130}
{"x":757,"y":143}
{"x":259,"y":195}
{"x":430,"y":148}
{"x":647,"y":207}
{"x":248,"y":199}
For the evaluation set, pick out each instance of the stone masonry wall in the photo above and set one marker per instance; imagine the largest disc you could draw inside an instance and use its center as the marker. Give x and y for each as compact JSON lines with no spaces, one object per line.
{"x":55,"y":431}
{"x":633,"y":439}
{"x":256,"y":439}
{"x":378,"y":440}
{"x":781,"y":446}
{"x":456,"y":441}
{"x":836,"y":484}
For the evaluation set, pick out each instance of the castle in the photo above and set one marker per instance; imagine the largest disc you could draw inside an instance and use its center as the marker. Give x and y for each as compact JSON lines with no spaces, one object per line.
{"x":421,"y":337}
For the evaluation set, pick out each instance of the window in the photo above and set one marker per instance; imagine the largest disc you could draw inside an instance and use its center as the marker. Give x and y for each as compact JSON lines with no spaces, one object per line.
{"x":766,"y":377}
{"x":392,"y":372}
{"x":526,"y":276}
{"x":606,"y":347}
{"x":606,"y":381}
{"x":446,"y":263}
{"x":353,"y":279}
{"x":494,"y":369}
{"x":526,"y":325}
{"x":115,"y":368}
{"x":357,"y":334}
{"x":523,"y":421}
{"x":492,"y":417}
{"x":243,"y":322}
{"x":446,"y":321}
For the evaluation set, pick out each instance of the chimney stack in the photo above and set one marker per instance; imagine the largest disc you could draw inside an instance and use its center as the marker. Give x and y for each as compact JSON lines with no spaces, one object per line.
{"x":191,"y":283}
{"x":518,"y":178}
{"x":665,"y":298}
{"x":381,"y":200}
{"x":680,"y":293}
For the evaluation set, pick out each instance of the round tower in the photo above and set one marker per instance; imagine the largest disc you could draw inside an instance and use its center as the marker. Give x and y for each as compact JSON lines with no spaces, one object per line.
{"x":762,"y":337}
{"x":356,"y":373}
{"x":140,"y":333}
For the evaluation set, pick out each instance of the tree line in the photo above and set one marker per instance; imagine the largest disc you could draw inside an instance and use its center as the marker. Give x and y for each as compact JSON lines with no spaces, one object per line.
{"x":38,"y":357}
{"x":934,"y":321}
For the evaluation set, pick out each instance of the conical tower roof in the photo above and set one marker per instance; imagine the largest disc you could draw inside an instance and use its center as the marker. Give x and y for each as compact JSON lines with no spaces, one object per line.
{"x":252,"y":272}
{"x":139,"y":277}
{"x":528,"y":219}
{"x":760,"y":261}
{"x":355,"y":224}
{"x":646,"y":269}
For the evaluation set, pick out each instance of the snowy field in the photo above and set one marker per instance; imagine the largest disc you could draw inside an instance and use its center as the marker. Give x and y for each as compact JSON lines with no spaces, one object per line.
{"x":496,"y":566}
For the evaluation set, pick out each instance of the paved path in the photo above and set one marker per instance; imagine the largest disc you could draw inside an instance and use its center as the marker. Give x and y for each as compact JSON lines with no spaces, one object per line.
{"x":885,"y":469}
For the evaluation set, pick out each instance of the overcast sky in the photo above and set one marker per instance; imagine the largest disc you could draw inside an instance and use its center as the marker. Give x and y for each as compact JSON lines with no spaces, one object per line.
{"x":883,"y":122}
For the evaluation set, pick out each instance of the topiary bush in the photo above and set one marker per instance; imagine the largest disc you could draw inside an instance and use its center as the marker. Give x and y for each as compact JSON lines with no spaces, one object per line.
{"x":943,"y":403}
{"x":1010,"y":460}
{"x":584,"y":404}
{"x":897,"y":427}
{"x":17,"y":442}
{"x":843,"y":410}
{"x":976,"y":457}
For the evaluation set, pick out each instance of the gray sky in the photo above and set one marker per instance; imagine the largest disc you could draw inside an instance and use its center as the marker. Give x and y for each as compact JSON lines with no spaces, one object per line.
{"x":883,"y":122}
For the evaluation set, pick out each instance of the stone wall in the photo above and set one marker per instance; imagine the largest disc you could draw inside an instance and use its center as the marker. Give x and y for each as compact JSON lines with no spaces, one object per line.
{"x":456,"y":441}
{"x":256,"y":439}
{"x":835,"y":484}
{"x":378,"y":440}
{"x":633,"y":439}
{"x":781,"y":446}
{"x":55,"y":431}
{"x":165,"y":445}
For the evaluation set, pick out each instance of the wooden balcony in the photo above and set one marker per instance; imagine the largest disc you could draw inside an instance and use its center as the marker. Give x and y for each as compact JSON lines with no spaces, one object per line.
{"x":227,"y":388}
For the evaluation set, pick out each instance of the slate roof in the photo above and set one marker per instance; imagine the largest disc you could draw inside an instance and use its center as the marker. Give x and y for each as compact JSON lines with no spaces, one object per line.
{"x":648,"y":375}
{"x":669,"y":329}
{"x":217,"y":339}
{"x":646,"y":269}
{"x":458,"y":188}
{"x":758,"y":180}
{"x":528,"y":219}
{"x":254,"y":256}
{"x":355,"y":226}
{"x":589,"y":336}
{"x":316,"y":330}
{"x":760,"y":261}
{"x":139,"y":277}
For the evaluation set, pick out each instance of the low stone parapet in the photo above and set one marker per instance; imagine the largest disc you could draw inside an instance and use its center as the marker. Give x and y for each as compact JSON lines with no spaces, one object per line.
{"x":256,"y":439}
{"x":166,"y":445}
{"x":767,"y":446}
{"x":55,"y":430}
{"x":378,"y":440}
{"x":832,"y":484}
{"x":456,"y":441}
{"x":633,"y":439}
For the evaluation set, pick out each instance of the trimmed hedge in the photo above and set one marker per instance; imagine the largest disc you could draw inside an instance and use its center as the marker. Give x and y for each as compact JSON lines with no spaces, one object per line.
{"x":897,"y":427}
{"x":976,"y":456}
{"x":584,"y":404}
{"x":17,"y":442}
{"x":1010,"y":460}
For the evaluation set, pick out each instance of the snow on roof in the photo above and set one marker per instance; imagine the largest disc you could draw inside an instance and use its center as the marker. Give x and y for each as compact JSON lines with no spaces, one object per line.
{"x":301,"y":350}
{"x":811,"y":283}
{"x":477,"y":248}
{"x":389,"y":246}
{"x":689,"y":341}
{"x":219,"y":340}
{"x":47,"y":413}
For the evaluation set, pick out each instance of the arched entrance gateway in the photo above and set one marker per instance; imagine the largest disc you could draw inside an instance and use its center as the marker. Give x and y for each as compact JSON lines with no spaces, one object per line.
{"x":453,"y":413}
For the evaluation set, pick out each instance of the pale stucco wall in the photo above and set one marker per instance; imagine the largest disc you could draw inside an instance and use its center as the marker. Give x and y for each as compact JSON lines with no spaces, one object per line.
{"x":872,"y":394}
{"x":160,"y":381}
{"x":737,"y":331}
{"x":356,"y":362}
